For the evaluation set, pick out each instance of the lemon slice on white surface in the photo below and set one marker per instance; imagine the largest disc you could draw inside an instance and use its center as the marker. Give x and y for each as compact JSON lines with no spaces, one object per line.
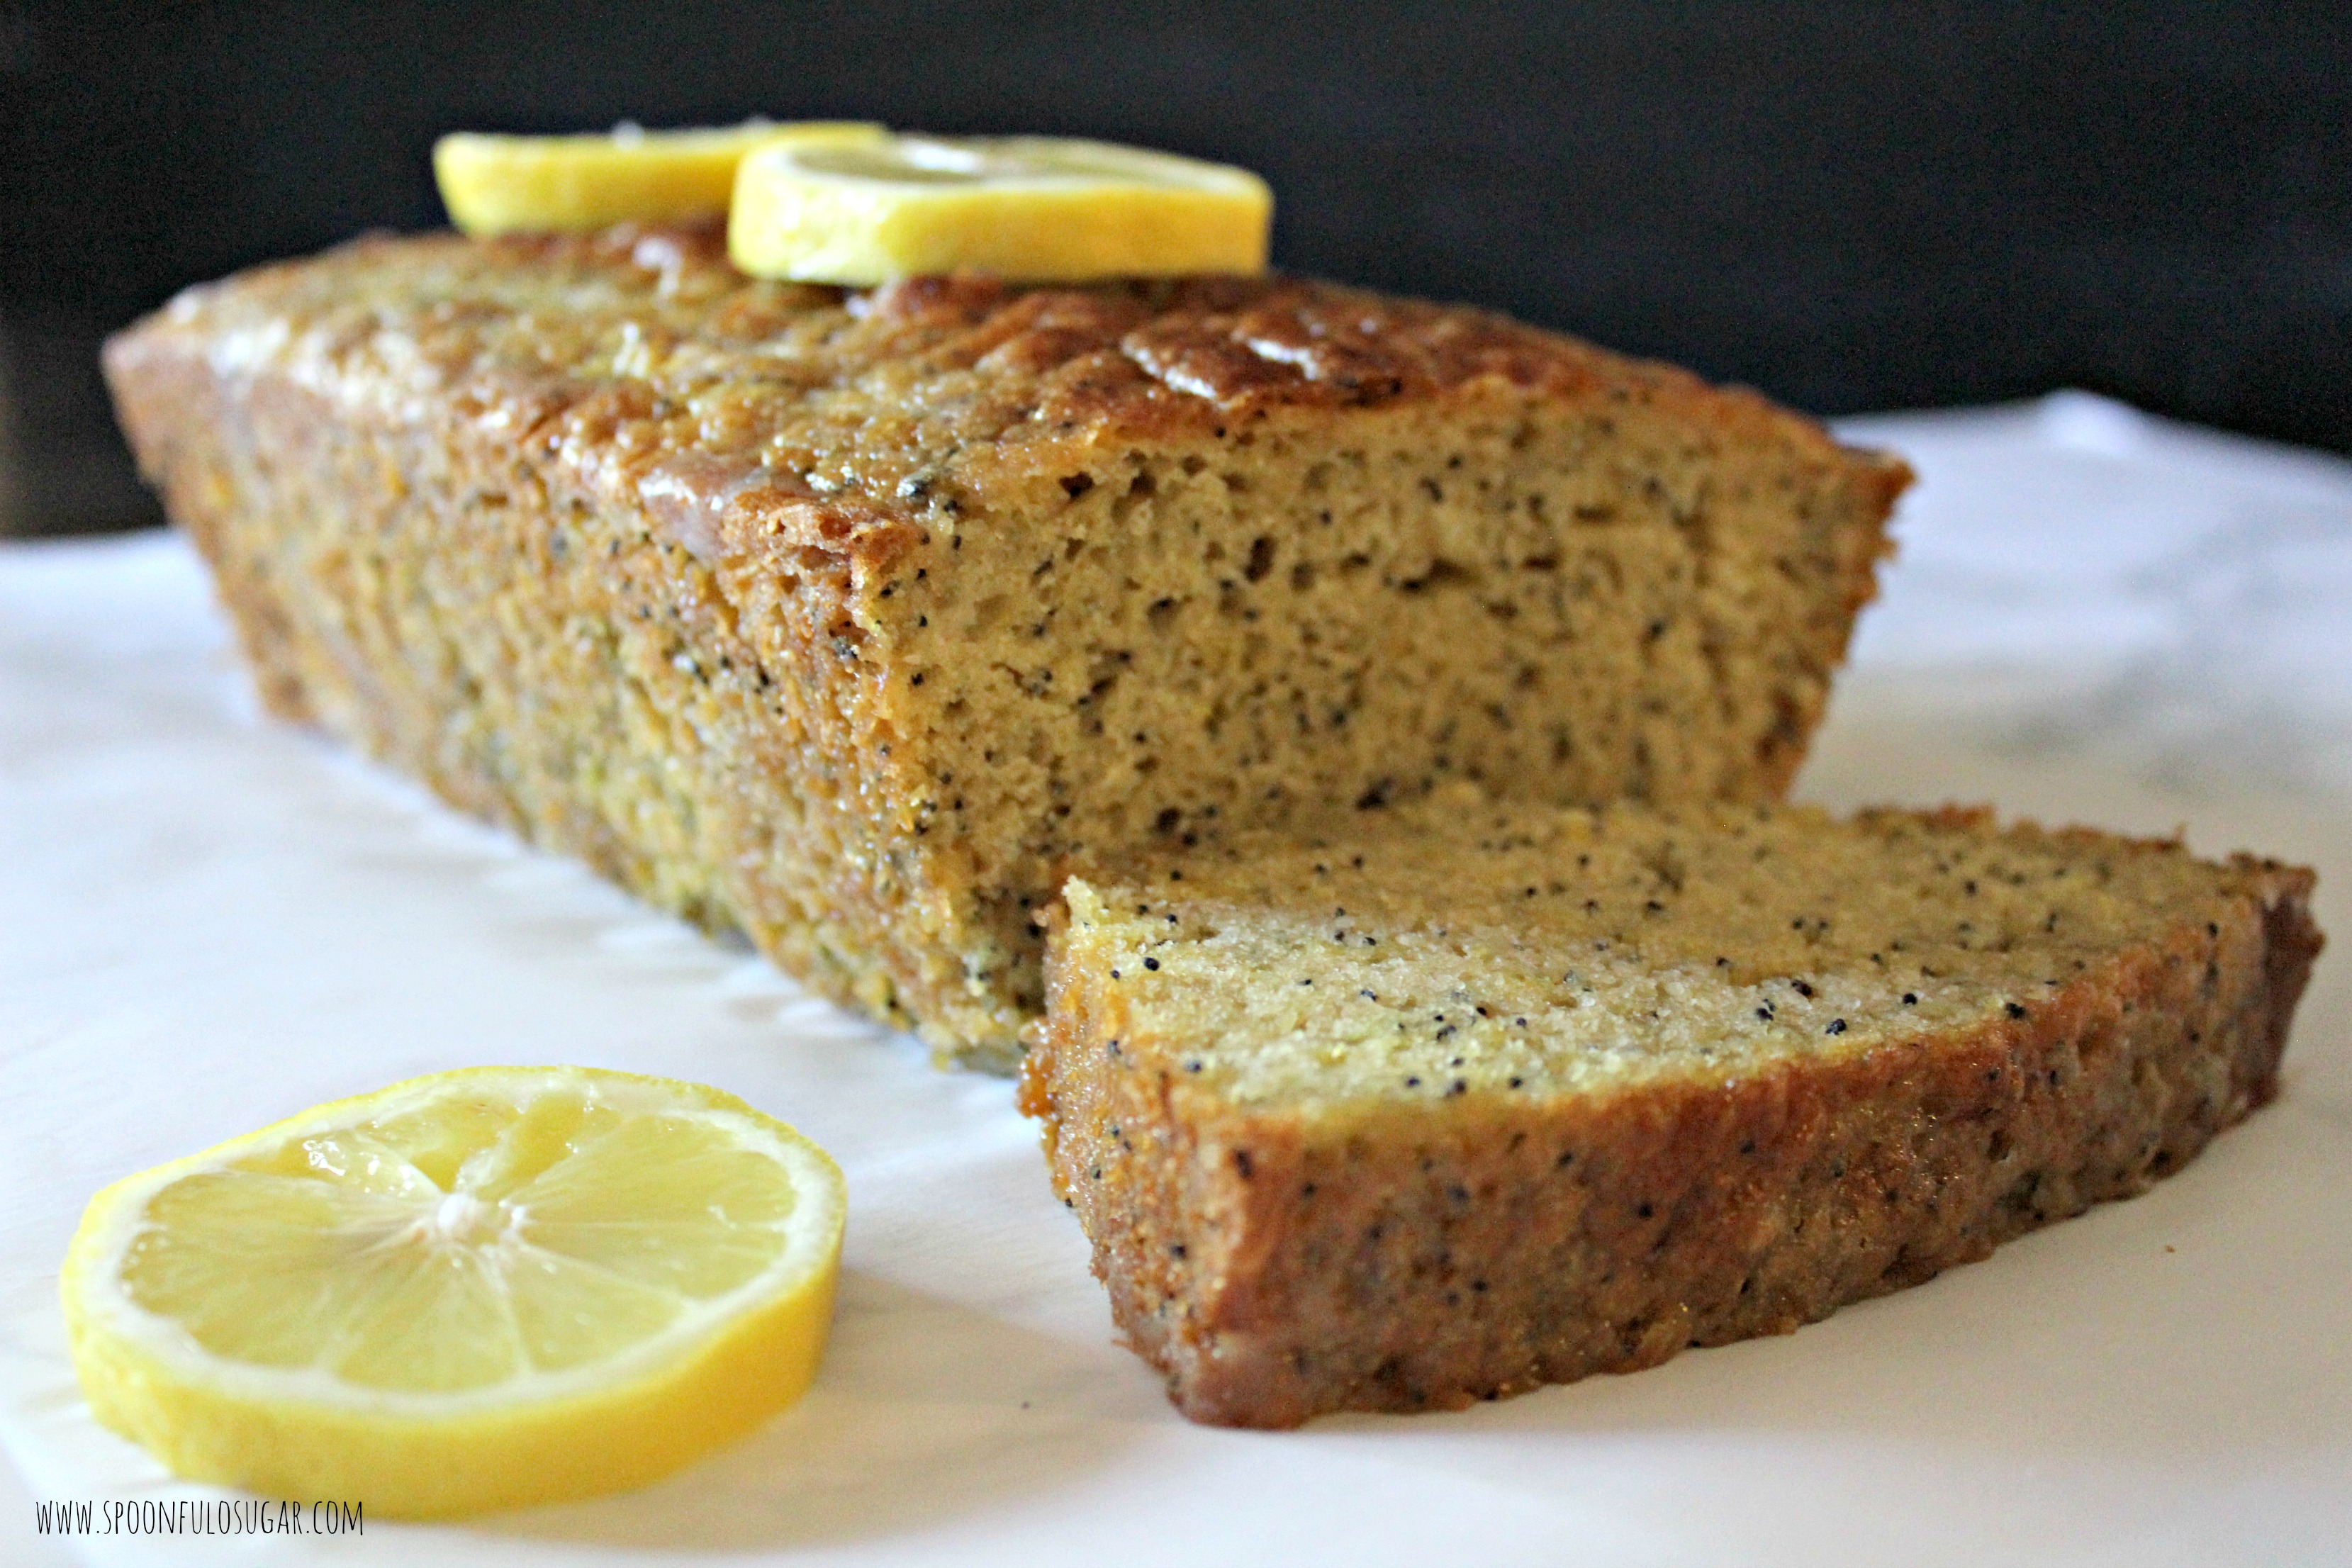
{"x":514,"y":184}
{"x":1024,"y":208}
{"x":474,"y":1291}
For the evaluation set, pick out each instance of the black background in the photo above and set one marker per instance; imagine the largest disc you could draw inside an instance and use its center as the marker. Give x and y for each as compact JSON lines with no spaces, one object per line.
{"x":1851,"y":205}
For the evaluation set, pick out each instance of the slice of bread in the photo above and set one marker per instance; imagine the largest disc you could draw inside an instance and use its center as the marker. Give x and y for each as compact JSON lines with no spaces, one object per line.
{"x":849,"y":618}
{"x":1493,"y":1097}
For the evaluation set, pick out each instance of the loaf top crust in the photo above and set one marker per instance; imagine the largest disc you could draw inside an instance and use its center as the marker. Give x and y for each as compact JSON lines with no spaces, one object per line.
{"x":741,"y":413}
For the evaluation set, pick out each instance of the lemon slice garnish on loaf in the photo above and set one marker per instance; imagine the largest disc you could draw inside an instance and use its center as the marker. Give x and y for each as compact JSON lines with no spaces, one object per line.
{"x":516,"y":184}
{"x":1023,"y":208}
{"x":474,"y":1291}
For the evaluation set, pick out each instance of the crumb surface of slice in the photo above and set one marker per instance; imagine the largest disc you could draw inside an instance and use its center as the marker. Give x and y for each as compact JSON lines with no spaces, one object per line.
{"x":1492,"y":1097}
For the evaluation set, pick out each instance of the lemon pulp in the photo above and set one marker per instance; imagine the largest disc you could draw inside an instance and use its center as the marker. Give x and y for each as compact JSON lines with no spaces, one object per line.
{"x":1026,"y":208}
{"x":496,"y":184}
{"x":474,"y":1291}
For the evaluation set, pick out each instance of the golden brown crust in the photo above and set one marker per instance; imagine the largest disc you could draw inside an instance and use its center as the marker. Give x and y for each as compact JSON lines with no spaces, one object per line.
{"x":890,"y":398}
{"x":1274,"y":1266}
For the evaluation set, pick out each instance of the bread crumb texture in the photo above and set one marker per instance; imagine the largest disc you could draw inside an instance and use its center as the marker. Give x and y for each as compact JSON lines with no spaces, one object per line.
{"x":854,"y":620}
{"x":1489,"y":1097}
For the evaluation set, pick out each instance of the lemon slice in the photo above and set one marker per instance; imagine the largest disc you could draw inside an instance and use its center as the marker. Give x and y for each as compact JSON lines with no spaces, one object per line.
{"x":474,"y":1291}
{"x":1024,"y":208}
{"x":509,"y":185}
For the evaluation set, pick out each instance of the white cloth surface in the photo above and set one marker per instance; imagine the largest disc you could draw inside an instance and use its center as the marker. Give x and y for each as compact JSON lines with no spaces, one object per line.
{"x":208,"y":921}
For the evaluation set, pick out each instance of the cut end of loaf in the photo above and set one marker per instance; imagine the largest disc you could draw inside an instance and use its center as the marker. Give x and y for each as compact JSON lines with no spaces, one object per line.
{"x":1722,"y":1071}
{"x":1284,"y":623}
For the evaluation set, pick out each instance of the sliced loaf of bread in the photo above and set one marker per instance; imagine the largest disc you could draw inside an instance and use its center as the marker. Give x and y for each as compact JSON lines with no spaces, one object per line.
{"x":845,"y":618}
{"x":1486,"y":1098}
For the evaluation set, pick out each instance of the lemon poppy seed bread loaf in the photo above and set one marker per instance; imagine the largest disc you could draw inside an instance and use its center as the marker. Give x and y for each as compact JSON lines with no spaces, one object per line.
{"x":1493,"y":1097}
{"x":855,"y":619}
